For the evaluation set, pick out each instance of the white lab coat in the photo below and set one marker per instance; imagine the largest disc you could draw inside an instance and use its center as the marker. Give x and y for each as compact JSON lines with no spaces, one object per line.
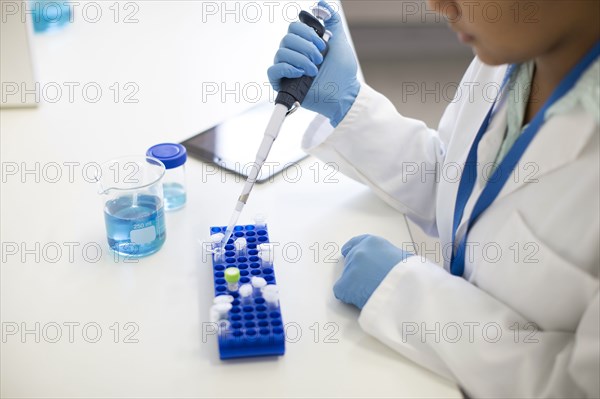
{"x":524,"y":319}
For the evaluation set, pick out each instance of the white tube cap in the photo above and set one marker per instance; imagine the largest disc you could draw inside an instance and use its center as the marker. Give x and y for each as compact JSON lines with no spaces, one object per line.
{"x":258,"y":282}
{"x":245,"y":290}
{"x":223,"y":299}
{"x":217,"y":238}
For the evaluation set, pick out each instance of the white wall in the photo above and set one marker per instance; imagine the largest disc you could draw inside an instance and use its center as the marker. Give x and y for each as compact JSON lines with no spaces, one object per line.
{"x":400,"y":29}
{"x":389,"y":12}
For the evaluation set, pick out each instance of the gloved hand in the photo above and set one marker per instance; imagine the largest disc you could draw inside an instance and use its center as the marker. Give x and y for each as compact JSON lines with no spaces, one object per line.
{"x":334,"y":90}
{"x":368,"y":260}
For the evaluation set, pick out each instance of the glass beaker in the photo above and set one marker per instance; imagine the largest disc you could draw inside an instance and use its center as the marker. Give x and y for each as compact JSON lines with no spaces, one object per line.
{"x":132,"y":193}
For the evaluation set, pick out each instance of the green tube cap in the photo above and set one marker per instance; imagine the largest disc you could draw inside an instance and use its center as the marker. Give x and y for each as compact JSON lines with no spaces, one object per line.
{"x":232,"y":274}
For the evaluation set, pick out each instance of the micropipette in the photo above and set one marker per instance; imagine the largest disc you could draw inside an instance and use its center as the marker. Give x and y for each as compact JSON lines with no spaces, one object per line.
{"x":289,"y":98}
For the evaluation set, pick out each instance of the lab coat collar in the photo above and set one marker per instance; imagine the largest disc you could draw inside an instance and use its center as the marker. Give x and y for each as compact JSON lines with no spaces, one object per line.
{"x":555,"y":145}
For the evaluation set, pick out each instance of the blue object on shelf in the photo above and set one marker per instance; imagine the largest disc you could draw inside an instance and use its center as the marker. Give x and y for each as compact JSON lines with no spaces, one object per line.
{"x":255,"y":328}
{"x":47,"y":14}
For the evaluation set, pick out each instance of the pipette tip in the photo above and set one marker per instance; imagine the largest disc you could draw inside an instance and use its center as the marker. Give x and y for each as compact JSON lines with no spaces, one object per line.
{"x":227,"y":235}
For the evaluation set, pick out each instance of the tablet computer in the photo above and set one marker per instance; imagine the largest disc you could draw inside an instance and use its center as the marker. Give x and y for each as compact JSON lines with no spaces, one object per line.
{"x":233,"y":144}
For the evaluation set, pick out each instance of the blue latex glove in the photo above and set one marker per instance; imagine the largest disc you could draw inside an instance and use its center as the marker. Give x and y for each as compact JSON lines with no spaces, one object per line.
{"x":334,"y":90}
{"x":368,"y":260}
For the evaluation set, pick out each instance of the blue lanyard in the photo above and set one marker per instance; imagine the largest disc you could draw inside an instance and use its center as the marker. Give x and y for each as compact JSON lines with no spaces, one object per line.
{"x":505,"y":168}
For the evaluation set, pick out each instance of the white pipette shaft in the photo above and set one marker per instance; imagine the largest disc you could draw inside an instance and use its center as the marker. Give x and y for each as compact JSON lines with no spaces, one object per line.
{"x":271,"y":133}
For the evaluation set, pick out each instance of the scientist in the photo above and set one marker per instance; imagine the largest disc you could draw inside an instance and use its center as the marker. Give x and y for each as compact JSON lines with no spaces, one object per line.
{"x":516,"y":311}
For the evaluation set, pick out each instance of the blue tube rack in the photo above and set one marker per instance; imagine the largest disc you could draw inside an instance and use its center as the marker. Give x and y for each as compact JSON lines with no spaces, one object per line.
{"x":254,"y":329}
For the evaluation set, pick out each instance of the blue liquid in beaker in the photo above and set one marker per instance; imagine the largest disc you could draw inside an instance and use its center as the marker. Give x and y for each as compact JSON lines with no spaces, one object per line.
{"x":174,"y":196}
{"x":135,"y":225}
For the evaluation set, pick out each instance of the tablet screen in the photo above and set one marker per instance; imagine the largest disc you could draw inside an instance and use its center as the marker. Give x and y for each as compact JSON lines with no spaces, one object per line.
{"x":233,"y":144}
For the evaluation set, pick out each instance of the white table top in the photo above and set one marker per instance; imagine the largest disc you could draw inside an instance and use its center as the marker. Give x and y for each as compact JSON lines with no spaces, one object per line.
{"x":168,"y":54}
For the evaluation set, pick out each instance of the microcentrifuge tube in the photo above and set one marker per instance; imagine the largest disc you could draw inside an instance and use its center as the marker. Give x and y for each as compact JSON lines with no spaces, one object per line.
{"x":246,"y":293}
{"x":222,"y":308}
{"x":240,"y":244}
{"x":258,"y":283}
{"x":271,"y":288}
{"x":219,"y":254}
{"x":259,"y":220}
{"x":214,"y":315}
{"x":232,"y":276}
{"x":219,"y":311}
{"x":264,"y":247}
{"x":265,"y":253}
{"x":217,"y":238}
{"x":271,"y":298}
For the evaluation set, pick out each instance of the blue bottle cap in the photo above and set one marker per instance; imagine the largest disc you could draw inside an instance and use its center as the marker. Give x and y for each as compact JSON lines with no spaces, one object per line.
{"x":172,"y":155}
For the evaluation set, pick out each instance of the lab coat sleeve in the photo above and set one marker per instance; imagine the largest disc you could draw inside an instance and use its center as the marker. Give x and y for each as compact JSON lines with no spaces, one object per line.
{"x":396,"y":156}
{"x":459,"y":331}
